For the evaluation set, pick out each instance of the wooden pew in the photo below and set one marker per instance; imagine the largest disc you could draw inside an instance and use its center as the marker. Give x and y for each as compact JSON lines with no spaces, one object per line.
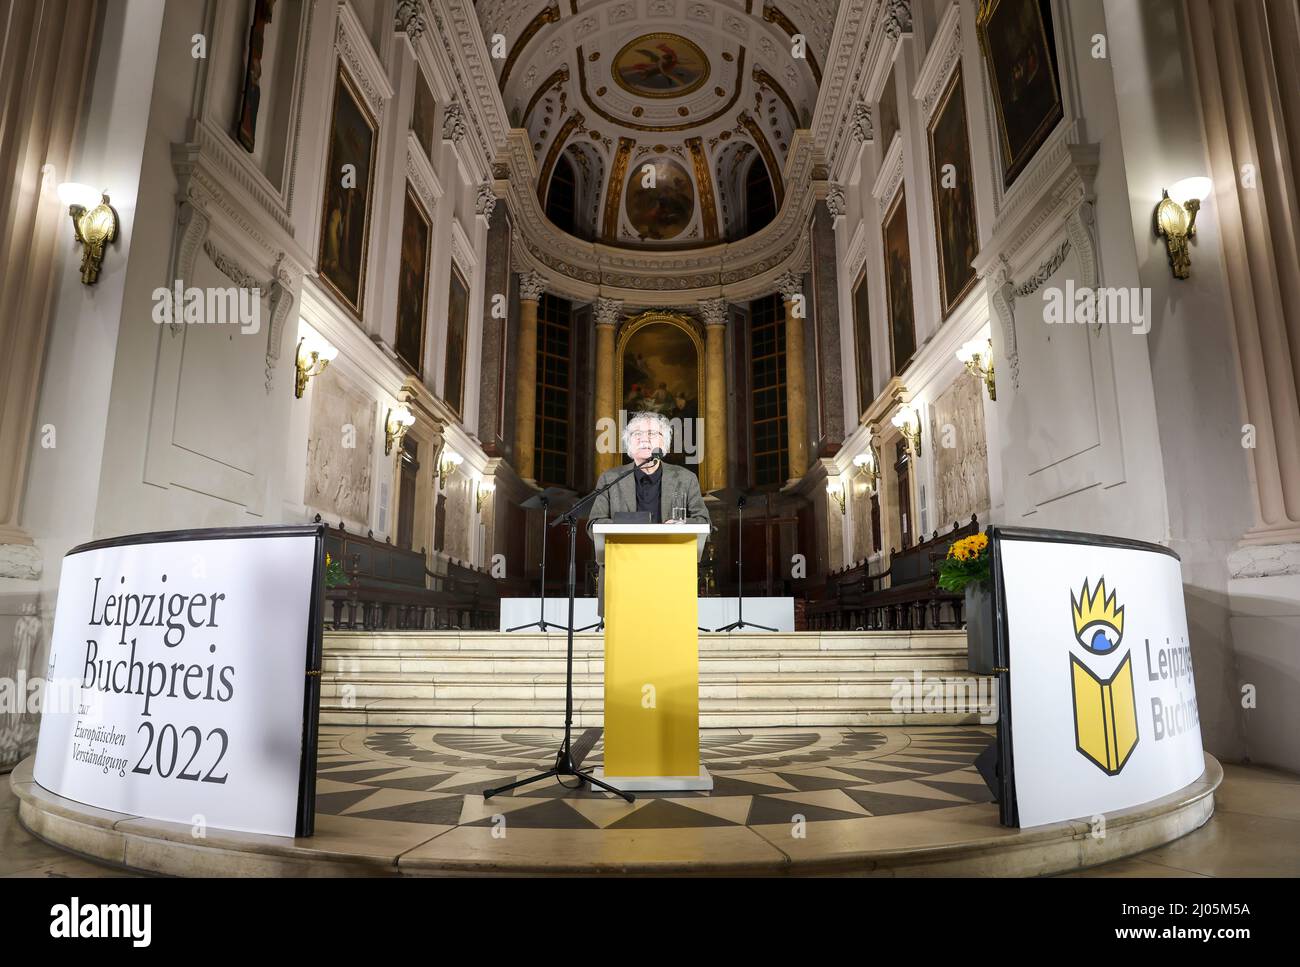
{"x":907,"y":593}
{"x":389,"y":588}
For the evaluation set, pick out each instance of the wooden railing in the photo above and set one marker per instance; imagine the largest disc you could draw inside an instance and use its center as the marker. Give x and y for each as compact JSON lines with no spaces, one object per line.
{"x":389,"y":588}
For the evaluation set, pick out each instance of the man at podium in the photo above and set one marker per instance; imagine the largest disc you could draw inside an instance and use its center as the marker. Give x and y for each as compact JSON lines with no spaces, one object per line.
{"x":658,"y":487}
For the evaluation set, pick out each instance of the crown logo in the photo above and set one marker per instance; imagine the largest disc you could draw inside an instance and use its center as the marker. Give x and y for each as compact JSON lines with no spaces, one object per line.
{"x":1098,"y":622}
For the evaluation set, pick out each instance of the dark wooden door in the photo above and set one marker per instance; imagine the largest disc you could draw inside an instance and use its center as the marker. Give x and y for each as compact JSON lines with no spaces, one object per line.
{"x":410,"y":477}
{"x":903,"y":476}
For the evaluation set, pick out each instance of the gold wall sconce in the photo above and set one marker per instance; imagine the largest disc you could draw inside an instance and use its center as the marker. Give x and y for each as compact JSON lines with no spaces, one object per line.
{"x":908,"y":422}
{"x":314,"y":354}
{"x":448,"y":464}
{"x":95,"y":223}
{"x":868,"y":464}
{"x":836,"y":490}
{"x":1176,"y":222}
{"x":977,"y":355}
{"x":485,"y":490}
{"x":398,"y":421}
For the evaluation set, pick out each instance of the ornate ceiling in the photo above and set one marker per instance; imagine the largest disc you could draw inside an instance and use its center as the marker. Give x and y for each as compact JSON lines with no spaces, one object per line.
{"x":700,"y":89}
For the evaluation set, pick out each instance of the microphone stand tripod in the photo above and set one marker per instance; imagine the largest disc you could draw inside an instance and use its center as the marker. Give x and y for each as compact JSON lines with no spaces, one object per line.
{"x":564,"y":764}
{"x":542,"y":500}
{"x":741,"y":623}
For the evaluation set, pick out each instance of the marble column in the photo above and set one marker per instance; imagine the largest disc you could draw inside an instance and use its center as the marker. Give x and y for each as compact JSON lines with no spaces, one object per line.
{"x":714,"y":313}
{"x":607,"y":312}
{"x":44,"y":65}
{"x":531,"y":286}
{"x":796,"y":389}
{"x":1237,"y":48}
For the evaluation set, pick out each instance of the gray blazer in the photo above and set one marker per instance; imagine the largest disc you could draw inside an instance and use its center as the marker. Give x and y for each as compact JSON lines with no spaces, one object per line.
{"x":679,"y":488}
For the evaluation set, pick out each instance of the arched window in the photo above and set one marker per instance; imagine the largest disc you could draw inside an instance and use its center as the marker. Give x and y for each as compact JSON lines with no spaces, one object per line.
{"x":560,"y":198}
{"x":770,"y":451}
{"x":760,"y":201}
{"x":553,"y":466}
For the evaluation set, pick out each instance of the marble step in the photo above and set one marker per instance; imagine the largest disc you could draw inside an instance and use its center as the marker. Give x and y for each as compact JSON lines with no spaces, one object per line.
{"x":406,"y":665}
{"x":491,"y":641}
{"x":589,"y":713}
{"x":593,"y":688}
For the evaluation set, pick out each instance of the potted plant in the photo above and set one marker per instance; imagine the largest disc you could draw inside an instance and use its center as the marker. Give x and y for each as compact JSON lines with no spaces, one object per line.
{"x":334,"y":574}
{"x":967,"y":568}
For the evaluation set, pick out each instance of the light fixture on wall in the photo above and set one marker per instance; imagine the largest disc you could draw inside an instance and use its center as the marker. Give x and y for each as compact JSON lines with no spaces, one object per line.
{"x":398,"y":421}
{"x":836,"y":490}
{"x":448,"y":464}
{"x":868,"y":463}
{"x":1175,"y":222}
{"x":485,"y":490}
{"x":908,"y":422}
{"x":314,"y":354}
{"x":977,"y":354}
{"x":94,"y":221}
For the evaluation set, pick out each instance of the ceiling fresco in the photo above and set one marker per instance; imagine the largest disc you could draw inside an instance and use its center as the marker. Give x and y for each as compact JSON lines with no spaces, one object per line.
{"x":699,"y":89}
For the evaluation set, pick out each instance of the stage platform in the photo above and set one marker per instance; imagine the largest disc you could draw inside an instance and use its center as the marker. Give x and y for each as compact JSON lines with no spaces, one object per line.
{"x":887,"y":801}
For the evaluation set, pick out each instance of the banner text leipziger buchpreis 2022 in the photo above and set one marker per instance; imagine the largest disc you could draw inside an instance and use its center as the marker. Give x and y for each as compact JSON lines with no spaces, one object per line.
{"x":176,"y":681}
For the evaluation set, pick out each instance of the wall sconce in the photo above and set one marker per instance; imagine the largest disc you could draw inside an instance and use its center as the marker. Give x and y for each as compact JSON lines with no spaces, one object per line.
{"x":908,"y":422}
{"x":485,"y":490}
{"x":978,"y":357}
{"x":868,"y":463}
{"x":396,"y":424}
{"x":1176,"y":223}
{"x":449,"y":462}
{"x":314,"y":354}
{"x":94,"y":221}
{"x":836,"y":490}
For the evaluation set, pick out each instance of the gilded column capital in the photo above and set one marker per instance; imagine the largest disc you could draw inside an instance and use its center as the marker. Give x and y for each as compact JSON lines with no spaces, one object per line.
{"x":607,"y":311}
{"x":531,"y":286}
{"x":713,"y":311}
{"x":789,"y":285}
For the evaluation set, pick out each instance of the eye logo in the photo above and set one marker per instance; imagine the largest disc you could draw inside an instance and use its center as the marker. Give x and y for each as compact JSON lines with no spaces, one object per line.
{"x":1105,"y":709}
{"x":1098,"y":623}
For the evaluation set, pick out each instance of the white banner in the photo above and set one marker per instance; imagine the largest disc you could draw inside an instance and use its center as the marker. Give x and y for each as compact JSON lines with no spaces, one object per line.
{"x":176,"y":681}
{"x":1103,"y":705}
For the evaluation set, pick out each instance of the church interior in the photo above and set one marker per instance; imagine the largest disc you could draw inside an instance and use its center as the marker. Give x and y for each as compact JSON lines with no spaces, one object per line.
{"x":891,"y":272}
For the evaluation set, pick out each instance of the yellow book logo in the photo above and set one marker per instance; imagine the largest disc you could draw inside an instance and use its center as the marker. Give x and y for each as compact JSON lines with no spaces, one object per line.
{"x":1105,"y":715}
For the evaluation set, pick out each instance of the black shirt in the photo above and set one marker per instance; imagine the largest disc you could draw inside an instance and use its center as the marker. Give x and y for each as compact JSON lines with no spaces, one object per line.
{"x":648,"y":488}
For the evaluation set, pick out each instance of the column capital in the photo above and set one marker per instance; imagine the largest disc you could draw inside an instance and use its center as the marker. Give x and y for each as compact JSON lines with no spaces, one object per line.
{"x":713,"y":311}
{"x":789,"y":285}
{"x":607,"y":311}
{"x":531,"y":286}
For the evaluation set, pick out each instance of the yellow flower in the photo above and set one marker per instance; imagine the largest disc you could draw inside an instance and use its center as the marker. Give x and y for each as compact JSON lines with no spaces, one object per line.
{"x":327,"y":560}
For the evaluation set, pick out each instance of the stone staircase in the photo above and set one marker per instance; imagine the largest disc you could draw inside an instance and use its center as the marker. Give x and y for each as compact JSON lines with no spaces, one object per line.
{"x":489,"y":679}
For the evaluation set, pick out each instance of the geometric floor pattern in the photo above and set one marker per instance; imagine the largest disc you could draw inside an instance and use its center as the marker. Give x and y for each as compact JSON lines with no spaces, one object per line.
{"x":761,"y":777}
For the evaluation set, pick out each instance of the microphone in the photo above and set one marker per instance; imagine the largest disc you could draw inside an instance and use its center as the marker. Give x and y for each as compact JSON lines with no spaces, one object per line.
{"x":657,"y":453}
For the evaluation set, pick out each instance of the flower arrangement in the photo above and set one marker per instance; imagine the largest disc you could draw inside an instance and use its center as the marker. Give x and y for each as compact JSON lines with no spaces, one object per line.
{"x":334,"y":574}
{"x":967,"y":561}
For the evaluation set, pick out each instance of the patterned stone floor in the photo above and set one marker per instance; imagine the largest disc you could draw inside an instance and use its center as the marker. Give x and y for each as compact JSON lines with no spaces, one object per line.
{"x":762,"y":777}
{"x":418,"y":792}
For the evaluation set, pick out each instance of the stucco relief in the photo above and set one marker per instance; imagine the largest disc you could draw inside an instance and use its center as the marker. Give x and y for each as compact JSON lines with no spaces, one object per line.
{"x":338,"y":475}
{"x":961,"y":471}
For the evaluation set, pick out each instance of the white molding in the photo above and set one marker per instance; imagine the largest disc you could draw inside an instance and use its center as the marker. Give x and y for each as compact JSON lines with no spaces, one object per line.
{"x":462,"y":250}
{"x":890,"y":175}
{"x":939,"y":63}
{"x":421,"y":175}
{"x":362,"y":63}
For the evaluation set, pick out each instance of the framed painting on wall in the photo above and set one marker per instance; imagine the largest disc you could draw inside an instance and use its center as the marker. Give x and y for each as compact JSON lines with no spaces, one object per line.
{"x":1020,"y":55}
{"x":251,"y":95}
{"x":453,"y":384}
{"x":954,"y":195}
{"x":412,"y":284}
{"x":423,"y":114}
{"x":862,"y":342}
{"x":898,"y":284}
{"x":345,"y":215}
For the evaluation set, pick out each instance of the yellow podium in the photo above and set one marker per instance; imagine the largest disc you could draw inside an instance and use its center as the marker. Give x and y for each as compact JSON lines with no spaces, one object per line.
{"x":652,"y":661}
